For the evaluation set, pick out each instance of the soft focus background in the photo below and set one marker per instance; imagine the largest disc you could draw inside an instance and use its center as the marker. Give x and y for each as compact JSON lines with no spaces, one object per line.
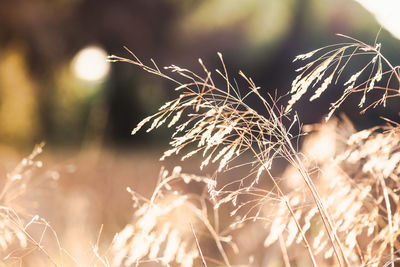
{"x":56,"y":86}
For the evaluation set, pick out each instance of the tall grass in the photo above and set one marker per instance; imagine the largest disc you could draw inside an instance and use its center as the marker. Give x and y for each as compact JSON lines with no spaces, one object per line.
{"x":17,"y":223}
{"x":223,"y":128}
{"x":335,"y":204}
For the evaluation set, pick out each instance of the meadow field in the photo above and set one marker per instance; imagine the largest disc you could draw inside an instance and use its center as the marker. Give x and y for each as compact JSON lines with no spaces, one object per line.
{"x":237,"y":186}
{"x":199,"y":133}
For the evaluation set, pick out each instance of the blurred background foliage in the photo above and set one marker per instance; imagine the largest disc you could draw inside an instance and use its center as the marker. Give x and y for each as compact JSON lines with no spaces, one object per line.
{"x":51,"y":90}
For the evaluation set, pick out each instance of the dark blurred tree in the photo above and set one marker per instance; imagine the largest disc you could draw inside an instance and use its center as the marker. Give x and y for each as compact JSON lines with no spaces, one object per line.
{"x":260,"y":37}
{"x":53,"y":31}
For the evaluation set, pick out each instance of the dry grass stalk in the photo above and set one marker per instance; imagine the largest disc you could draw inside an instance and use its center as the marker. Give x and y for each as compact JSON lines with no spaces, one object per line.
{"x":15,"y":185}
{"x":330,"y":65}
{"x":163,"y":226}
{"x":15,"y":221}
{"x":358,"y":181}
{"x":223,"y":127}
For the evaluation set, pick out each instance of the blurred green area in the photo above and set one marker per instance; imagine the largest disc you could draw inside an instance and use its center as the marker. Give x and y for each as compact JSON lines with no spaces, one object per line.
{"x":42,"y":96}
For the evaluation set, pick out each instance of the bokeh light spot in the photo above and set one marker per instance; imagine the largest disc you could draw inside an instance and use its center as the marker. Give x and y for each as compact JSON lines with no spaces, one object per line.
{"x":91,"y":64}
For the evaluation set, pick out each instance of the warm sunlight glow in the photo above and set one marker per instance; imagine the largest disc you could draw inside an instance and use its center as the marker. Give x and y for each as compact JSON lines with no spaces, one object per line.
{"x":386,"y":12}
{"x":90,"y":64}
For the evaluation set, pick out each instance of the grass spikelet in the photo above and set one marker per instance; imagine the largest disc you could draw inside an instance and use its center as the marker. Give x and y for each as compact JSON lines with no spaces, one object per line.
{"x":301,"y":86}
{"x":175,"y":118}
{"x":332,"y":63}
{"x":140,"y":124}
{"x":161,"y":227}
{"x":305,"y":56}
{"x":322,"y":88}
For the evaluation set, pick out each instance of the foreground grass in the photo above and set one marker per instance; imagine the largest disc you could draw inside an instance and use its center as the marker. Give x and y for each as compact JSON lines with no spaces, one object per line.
{"x":335,"y":204}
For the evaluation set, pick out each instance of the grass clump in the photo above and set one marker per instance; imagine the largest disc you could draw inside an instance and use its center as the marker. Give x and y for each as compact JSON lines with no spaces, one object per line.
{"x":336,"y":201}
{"x":355,"y":216}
